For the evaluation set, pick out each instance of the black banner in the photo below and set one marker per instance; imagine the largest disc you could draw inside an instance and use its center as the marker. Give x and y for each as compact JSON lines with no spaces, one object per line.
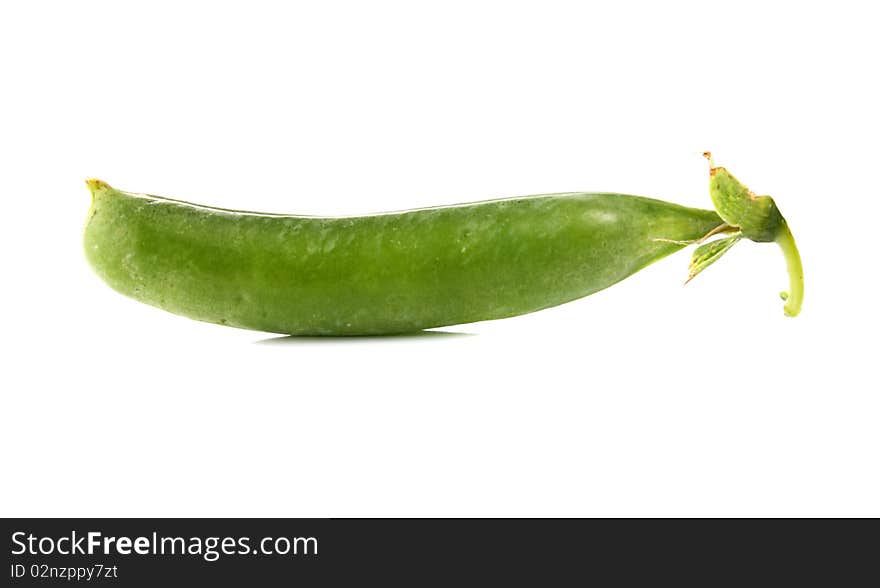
{"x":285,"y":552}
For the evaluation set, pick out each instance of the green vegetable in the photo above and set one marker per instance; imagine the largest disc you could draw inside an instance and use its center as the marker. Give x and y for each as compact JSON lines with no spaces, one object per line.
{"x":383,"y":273}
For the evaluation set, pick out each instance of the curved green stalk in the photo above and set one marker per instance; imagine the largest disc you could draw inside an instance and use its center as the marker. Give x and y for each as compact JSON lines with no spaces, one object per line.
{"x":795,"y":295}
{"x":756,"y":218}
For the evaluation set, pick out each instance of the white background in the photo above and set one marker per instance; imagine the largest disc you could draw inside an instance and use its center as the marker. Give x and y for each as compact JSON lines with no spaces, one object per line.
{"x":646,"y":399}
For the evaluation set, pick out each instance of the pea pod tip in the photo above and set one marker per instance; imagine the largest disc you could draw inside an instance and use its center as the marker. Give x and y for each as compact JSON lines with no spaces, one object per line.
{"x":94,"y":184}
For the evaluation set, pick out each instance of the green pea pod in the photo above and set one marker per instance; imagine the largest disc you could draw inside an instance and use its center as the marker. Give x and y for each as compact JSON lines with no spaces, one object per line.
{"x":383,"y":273}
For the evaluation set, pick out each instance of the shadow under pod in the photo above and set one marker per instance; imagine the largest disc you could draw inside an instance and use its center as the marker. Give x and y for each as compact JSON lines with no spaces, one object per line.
{"x":363,"y":339}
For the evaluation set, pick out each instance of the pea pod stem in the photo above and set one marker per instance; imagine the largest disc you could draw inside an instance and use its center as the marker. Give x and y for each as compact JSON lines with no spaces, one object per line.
{"x":759,"y":219}
{"x":795,"y":295}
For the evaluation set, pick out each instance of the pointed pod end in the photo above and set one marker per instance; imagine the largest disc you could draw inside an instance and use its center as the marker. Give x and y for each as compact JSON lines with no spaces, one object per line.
{"x":96,"y":185}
